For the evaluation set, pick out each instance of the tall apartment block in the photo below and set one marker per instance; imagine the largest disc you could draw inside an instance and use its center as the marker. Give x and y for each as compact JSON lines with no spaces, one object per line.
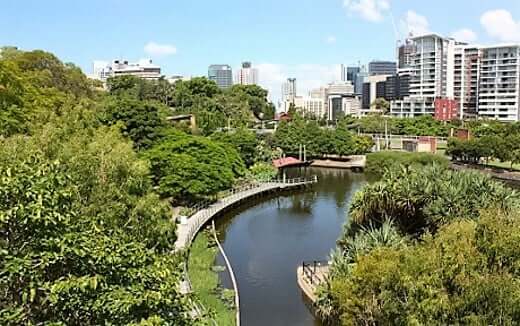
{"x":481,"y":82}
{"x":247,"y":75}
{"x":466,"y":80}
{"x":222,"y":75}
{"x":499,"y":83}
{"x":432,"y":76}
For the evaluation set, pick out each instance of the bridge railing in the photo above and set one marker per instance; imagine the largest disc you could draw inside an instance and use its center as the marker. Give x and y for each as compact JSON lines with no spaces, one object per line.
{"x":311,"y":270}
{"x":312,"y":179}
{"x":205,"y":211}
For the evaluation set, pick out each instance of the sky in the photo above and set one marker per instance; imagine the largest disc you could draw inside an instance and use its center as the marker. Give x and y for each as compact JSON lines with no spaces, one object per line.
{"x":305,"y":39}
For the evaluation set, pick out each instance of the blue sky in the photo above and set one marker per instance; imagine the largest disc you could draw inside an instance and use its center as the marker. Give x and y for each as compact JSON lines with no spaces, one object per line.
{"x":284,"y":38}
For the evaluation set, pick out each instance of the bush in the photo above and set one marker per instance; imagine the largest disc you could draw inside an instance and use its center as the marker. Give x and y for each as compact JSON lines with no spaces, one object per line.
{"x":466,"y":274}
{"x":380,"y":162}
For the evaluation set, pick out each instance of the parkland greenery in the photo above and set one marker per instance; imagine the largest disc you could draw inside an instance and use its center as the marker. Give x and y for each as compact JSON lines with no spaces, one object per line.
{"x":427,"y":246}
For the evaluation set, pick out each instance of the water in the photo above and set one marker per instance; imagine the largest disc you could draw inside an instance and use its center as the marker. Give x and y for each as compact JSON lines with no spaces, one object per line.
{"x":269,"y":238}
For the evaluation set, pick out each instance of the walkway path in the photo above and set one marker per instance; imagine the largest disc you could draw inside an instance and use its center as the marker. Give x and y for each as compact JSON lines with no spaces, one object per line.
{"x":187,"y":232}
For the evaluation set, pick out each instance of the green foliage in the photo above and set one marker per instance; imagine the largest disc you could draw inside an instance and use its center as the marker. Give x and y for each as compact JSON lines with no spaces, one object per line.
{"x":422,"y":199}
{"x":380,"y":162}
{"x":190,"y":167}
{"x":244,"y":141}
{"x":263,"y":171}
{"x":205,"y":281}
{"x":505,"y":148}
{"x":317,"y":140}
{"x":83,"y":238}
{"x":143,"y":121}
{"x":466,"y":274}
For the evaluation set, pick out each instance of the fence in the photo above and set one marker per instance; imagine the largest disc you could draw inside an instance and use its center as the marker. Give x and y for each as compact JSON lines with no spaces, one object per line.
{"x":315,"y":271}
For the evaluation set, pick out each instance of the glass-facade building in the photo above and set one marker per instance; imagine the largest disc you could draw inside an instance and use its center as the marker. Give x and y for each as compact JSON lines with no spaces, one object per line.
{"x":222,"y":75}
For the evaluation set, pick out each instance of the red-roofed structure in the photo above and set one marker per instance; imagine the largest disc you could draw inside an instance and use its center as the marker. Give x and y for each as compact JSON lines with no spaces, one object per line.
{"x":288,"y":161}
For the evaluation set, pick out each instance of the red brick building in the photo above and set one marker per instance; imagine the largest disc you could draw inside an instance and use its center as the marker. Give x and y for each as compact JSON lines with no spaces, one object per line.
{"x":446,"y":109}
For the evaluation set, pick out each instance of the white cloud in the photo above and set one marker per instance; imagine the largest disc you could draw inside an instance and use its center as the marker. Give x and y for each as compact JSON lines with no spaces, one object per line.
{"x":156,"y":49}
{"x":415,"y":24}
{"x":308,"y":76}
{"x":464,"y":35}
{"x":501,"y":25}
{"x":371,"y":10}
{"x":331,"y":39}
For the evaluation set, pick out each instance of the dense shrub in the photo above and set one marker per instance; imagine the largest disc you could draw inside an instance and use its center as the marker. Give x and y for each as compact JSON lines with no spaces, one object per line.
{"x":380,"y":162}
{"x":466,"y":274}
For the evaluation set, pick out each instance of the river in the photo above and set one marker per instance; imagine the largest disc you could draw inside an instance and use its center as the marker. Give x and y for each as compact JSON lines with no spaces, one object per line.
{"x":267,"y":239}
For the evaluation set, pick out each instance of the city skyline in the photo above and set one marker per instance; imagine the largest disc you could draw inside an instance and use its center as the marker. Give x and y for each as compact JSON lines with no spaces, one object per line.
{"x":278,"y":38}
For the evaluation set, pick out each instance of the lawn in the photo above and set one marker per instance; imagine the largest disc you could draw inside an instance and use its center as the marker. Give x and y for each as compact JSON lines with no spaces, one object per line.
{"x":504,"y":165}
{"x":205,"y":281}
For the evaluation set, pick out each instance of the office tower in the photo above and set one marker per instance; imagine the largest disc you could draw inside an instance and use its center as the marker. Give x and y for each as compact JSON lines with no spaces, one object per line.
{"x":247,"y":75}
{"x":222,"y":75}
{"x":360,"y":77}
{"x":382,"y":68}
{"x":343,"y":73}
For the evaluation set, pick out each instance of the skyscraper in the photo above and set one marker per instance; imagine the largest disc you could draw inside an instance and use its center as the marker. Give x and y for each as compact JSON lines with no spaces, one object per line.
{"x":382,"y":68}
{"x":289,"y":90}
{"x":404,"y":54}
{"x":247,"y":75}
{"x":361,"y":76}
{"x":222,"y":75}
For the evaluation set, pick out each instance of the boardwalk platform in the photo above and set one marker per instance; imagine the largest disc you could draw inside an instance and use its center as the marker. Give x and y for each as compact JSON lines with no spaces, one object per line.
{"x":310,"y":276}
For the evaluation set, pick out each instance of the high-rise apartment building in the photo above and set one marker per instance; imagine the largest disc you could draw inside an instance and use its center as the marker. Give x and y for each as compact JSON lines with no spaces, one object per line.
{"x":289,"y":90}
{"x":499,"y":83}
{"x":432,"y":76}
{"x":382,"y":68}
{"x":247,"y":75}
{"x":482,"y":82}
{"x":222,"y":75}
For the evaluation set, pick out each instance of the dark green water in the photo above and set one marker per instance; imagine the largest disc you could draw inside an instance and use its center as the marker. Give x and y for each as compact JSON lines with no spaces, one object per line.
{"x":269,"y":238}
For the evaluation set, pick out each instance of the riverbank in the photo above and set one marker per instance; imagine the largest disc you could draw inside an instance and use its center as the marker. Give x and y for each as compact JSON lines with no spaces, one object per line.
{"x":205,"y":280}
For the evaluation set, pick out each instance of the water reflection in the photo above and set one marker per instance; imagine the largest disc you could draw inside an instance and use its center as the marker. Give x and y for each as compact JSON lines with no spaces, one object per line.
{"x":267,"y":239}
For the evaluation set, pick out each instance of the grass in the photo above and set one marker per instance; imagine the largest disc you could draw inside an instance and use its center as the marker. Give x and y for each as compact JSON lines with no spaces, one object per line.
{"x":504,"y":165}
{"x":205,"y":280}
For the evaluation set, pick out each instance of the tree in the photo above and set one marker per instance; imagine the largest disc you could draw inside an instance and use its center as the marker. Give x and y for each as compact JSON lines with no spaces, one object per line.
{"x":244,"y":141}
{"x":381,"y":105}
{"x":82,"y":238}
{"x":189,"y":168}
{"x":142,"y":121}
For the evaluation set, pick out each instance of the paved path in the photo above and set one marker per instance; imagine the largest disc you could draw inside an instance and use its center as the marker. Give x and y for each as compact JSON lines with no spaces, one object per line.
{"x":187,"y":232}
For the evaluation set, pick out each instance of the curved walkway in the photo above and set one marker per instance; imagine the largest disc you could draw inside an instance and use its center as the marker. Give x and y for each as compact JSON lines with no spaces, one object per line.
{"x":186,"y":232}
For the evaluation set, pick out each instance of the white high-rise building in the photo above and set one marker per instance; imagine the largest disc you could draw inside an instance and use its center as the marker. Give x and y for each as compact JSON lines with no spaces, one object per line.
{"x":247,"y":75}
{"x":143,"y":69}
{"x":499,"y":83}
{"x":289,"y":91}
{"x":433,"y":76}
